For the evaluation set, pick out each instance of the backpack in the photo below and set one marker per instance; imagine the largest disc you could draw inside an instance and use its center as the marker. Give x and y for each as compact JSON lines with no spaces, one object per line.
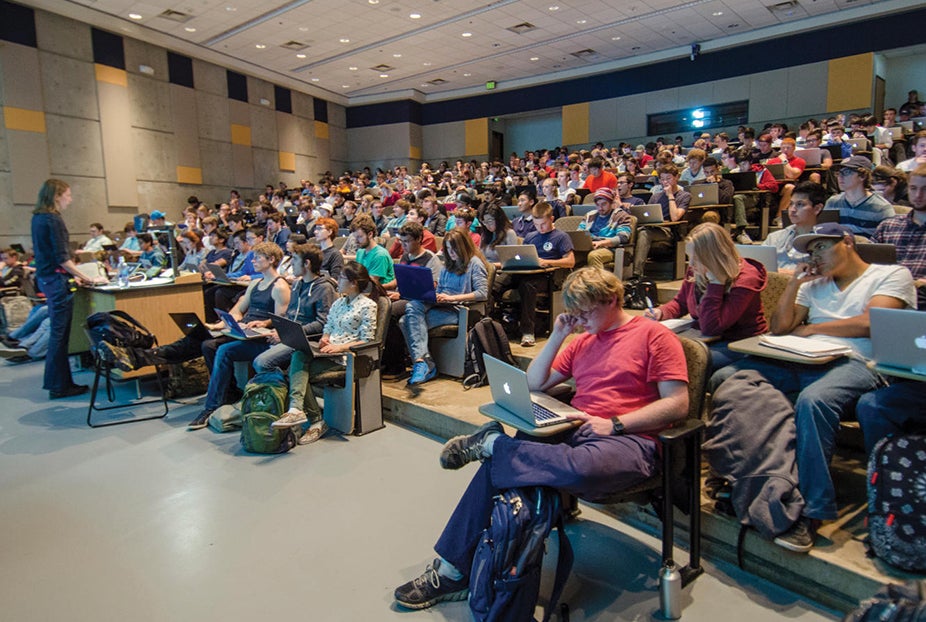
{"x":265,"y":392}
{"x":504,"y":582}
{"x":893,"y":603}
{"x":637,"y":290}
{"x":119,"y":329}
{"x":14,"y":311}
{"x":897,"y":501}
{"x":487,"y":336}
{"x":257,"y":437}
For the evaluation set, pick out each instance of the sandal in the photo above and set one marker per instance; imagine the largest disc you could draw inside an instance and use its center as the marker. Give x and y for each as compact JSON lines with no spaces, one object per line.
{"x":315,"y":432}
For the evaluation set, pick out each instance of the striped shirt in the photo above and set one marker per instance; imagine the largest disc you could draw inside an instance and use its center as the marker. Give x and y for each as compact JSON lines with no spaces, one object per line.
{"x":862,"y":217}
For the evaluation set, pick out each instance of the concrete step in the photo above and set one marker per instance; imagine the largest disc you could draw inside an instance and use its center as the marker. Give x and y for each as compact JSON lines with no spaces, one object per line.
{"x":837,"y":573}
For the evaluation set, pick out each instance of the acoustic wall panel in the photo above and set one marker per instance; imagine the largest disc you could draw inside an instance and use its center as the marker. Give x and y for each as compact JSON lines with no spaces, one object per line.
{"x":63,"y":36}
{"x":850,"y":82}
{"x":117,"y":137}
{"x":477,"y":137}
{"x":185,"y":126}
{"x":24,"y":121}
{"x":575,"y":124}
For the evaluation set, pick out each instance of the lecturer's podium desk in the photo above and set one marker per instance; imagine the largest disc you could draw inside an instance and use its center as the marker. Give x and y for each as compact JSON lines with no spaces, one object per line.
{"x":149,"y":304}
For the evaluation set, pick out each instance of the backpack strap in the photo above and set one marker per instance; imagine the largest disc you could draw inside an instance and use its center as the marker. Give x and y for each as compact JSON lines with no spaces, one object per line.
{"x":128,"y":318}
{"x":564,"y":561}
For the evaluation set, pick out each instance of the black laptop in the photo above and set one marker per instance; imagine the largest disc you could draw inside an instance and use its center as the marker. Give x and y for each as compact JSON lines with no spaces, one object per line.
{"x":742,"y":182}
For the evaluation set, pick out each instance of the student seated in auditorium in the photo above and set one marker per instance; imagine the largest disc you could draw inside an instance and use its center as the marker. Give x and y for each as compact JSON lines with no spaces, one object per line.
{"x":815,"y":141}
{"x":828,"y":299}
{"x":550,"y":195}
{"x":351,"y":322}
{"x":523,"y":223}
{"x":554,"y":248}
{"x":598,"y":177}
{"x":463,"y":219}
{"x":919,"y":153}
{"x":495,"y":230}
{"x":722,"y":292}
{"x":793,"y":169}
{"x":625,"y":183}
{"x":463,"y":280}
{"x":673,"y":201}
{"x":609,"y":226}
{"x":631,"y":382}
{"x":907,"y":232}
{"x":891,"y":184}
{"x":219,"y":254}
{"x":193,"y":251}
{"x":692,"y":173}
{"x":97,"y":240}
{"x":152,"y":255}
{"x":371,"y":255}
{"x":807,"y":201}
{"x":435,"y":220}
{"x":324,"y":232}
{"x":859,"y":208}
{"x":428,"y":240}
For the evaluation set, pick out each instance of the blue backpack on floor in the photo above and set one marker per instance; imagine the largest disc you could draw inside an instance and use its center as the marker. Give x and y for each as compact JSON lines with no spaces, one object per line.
{"x":504,"y":584}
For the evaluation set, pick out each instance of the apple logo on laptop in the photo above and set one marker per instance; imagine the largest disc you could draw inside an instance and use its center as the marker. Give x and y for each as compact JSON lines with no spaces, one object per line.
{"x":920,"y":342}
{"x":700,"y":195}
{"x":506,"y":388}
{"x":517,"y":256}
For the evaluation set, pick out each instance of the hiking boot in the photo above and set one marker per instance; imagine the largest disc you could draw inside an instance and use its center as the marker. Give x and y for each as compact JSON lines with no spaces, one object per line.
{"x":422,"y":371}
{"x":431,"y":588}
{"x":799,"y":538}
{"x":201,"y":421}
{"x":461,"y":450}
{"x":527,"y":340}
{"x":114,"y":356}
{"x":291,"y":418}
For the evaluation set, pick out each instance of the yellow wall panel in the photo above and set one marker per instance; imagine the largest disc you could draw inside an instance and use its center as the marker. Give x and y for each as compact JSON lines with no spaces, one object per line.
{"x":321,"y":130}
{"x":111,"y":75}
{"x":575,"y":124}
{"x":288,"y":161}
{"x":477,"y":137}
{"x":240,"y":135}
{"x":189,"y":175}
{"x":25,"y":120}
{"x":849,"y":83}
{"x":414,"y":152}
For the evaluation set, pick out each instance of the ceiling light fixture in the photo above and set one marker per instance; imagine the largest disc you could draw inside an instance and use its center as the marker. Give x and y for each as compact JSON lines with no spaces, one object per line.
{"x":303,"y":29}
{"x":230,"y":9}
{"x":314,"y":79}
{"x":427,"y":64}
{"x":581,"y":21}
{"x":352,"y":68}
{"x":467,"y":34}
{"x":717,"y":13}
{"x":466,"y":75}
{"x":134,"y":15}
{"x":344,"y":40}
{"x":190,"y":29}
{"x":535,"y":58}
{"x":384,"y":75}
{"x":260,"y":46}
{"x":415,"y":15}
{"x":373,"y":1}
{"x":396,"y":56}
{"x":554,"y":8}
{"x":615,"y":38}
{"x":345,"y":86}
{"x":300,"y":55}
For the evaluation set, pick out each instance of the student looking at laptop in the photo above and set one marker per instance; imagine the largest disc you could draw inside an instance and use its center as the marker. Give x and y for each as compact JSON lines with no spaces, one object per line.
{"x":609,"y":227}
{"x":631,"y":382}
{"x":463,"y":280}
{"x":807,"y":200}
{"x":673,"y":201}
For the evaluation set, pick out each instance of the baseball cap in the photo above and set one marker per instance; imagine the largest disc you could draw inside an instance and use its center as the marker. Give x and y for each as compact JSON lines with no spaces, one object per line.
{"x":856,"y":162}
{"x":157,"y":215}
{"x":604,"y":193}
{"x":828,"y":231}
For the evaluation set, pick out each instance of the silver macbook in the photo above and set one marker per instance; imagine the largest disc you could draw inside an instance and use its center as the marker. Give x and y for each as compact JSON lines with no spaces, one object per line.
{"x":704,"y":194}
{"x":647,"y":214}
{"x":898,"y":338}
{"x":236,"y":330}
{"x":765,"y":255}
{"x":812,"y":156}
{"x":518,"y":256}
{"x":858,"y":144}
{"x":896,"y":132}
{"x":511,"y":391}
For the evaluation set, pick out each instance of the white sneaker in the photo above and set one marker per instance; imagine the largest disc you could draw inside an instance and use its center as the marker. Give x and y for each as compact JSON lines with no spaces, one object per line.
{"x":743,"y":238}
{"x":291,"y":418}
{"x":527,"y":340}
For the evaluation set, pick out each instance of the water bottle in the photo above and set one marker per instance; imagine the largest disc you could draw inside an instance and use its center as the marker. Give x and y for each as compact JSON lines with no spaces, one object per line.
{"x":123,"y":273}
{"x":670,"y":592}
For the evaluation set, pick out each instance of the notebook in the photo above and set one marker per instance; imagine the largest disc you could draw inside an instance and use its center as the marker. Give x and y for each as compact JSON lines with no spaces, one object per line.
{"x":898,"y":338}
{"x":190,"y":324}
{"x":511,"y":391}
{"x":805,"y":346}
{"x":292,"y":335}
{"x":704,"y":194}
{"x":518,"y":257}
{"x":678,"y":325}
{"x":766,"y":255}
{"x":647,"y":214}
{"x":236,"y":331}
{"x":415,"y":283}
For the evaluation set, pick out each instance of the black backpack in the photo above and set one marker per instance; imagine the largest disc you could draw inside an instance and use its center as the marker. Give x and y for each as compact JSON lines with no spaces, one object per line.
{"x":118,"y":328}
{"x":893,"y":603}
{"x":486,"y":337}
{"x":504,"y":583}
{"x":637,"y":290}
{"x":897,"y":501}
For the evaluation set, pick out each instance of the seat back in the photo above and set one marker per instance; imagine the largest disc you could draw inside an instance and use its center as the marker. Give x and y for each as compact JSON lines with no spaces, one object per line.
{"x":569,"y":223}
{"x":774,"y":287}
{"x":698,"y":361}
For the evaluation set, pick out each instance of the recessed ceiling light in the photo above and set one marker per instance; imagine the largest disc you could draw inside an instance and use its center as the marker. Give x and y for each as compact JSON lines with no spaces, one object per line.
{"x":615,"y":38}
{"x":300,"y":55}
{"x":303,"y":29}
{"x":345,"y":40}
{"x":581,"y":21}
{"x":466,"y":75}
{"x":352,"y":68}
{"x":314,"y":79}
{"x":535,"y":58}
{"x":230,"y":9}
{"x":190,"y":29}
{"x":467,"y":34}
{"x":345,"y":86}
{"x":384,"y":75}
{"x":373,"y":1}
{"x":717,"y":13}
{"x":260,"y":46}
{"x":396,"y":56}
{"x":134,"y":15}
{"x":427,"y":64}
{"x":554,"y":8}
{"x":415,"y":15}
{"x":425,"y":84}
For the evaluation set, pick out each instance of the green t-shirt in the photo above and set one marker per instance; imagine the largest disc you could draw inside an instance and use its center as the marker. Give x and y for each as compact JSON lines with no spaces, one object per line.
{"x":378,"y":263}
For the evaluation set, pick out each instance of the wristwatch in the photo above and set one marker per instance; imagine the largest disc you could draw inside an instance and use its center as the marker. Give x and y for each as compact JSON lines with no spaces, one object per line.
{"x":618,"y":426}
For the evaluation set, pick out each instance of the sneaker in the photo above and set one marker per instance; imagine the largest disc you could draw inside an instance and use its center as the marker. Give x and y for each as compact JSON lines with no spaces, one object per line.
{"x":422,"y":371}
{"x":776,"y":222}
{"x":799,"y":538}
{"x":743,"y":238}
{"x":315,"y":432}
{"x":71,"y":391}
{"x":201,"y":421}
{"x":431,"y":588}
{"x":527,"y":340}
{"x":8,"y":352}
{"x":290,"y":418}
{"x":393,"y":374}
{"x":461,"y":450}
{"x":114,"y":356}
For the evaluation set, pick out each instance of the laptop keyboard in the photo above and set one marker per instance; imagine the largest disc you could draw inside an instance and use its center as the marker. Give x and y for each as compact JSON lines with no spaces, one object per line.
{"x":542,"y":413}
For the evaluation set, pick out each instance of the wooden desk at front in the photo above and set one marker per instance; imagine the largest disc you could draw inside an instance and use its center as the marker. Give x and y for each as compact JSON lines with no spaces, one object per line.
{"x":149,"y":305}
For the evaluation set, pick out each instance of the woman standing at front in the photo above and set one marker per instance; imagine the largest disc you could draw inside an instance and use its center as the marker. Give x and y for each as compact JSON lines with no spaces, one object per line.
{"x":54,"y":272}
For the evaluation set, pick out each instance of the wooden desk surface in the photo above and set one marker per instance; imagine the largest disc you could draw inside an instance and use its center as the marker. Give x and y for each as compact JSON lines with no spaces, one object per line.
{"x":751,"y":346}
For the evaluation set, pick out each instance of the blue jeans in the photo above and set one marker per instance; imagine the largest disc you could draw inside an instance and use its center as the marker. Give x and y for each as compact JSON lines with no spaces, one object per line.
{"x":897,"y":409}
{"x":60,"y":301}
{"x":220,"y":355}
{"x":275,"y":357}
{"x":586,"y":465}
{"x":822,"y":396}
{"x":302,"y":367}
{"x":36,"y":315}
{"x":419,"y":317}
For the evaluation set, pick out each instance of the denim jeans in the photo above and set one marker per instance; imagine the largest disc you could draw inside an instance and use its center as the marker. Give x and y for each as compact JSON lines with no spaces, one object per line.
{"x":822,"y":396}
{"x":302,"y":367}
{"x":36,"y":315}
{"x":275,"y":357}
{"x":419,"y":317}
{"x":60,"y":301}
{"x":220,"y":359}
{"x":897,"y":409}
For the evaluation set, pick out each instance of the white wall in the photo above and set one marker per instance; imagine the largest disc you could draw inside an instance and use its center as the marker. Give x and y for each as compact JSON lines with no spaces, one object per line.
{"x":901,"y":75}
{"x":533,"y":132}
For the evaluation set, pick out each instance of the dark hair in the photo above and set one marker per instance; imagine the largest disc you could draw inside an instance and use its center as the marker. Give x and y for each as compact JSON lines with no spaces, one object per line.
{"x":502,"y":225}
{"x":413,"y":230}
{"x":365,"y":223}
{"x":220,"y":234}
{"x":710,"y":161}
{"x":50,"y":190}
{"x":814,"y":192}
{"x":193,"y":237}
{"x":129,"y":226}
{"x":96,"y":225}
{"x":145,"y":238}
{"x":256,"y":230}
{"x":310,"y":253}
{"x":356,"y":273}
{"x":465,"y":249}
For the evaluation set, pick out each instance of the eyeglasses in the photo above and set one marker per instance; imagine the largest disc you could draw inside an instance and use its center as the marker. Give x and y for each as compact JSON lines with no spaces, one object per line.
{"x":845,"y":172}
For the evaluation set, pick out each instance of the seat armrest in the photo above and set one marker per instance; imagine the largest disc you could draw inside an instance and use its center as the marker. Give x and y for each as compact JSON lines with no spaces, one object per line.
{"x":683,"y":430}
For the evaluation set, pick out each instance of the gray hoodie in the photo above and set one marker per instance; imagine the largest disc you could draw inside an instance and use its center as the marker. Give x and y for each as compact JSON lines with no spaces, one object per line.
{"x":309,"y":303}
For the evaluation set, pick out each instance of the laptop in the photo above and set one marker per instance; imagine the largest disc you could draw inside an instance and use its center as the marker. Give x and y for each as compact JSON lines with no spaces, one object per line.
{"x":190,"y":324}
{"x":898,"y":338}
{"x":292,"y":335}
{"x":777,"y":170}
{"x":236,"y":331}
{"x":581,"y":241}
{"x":896,"y":132}
{"x":518,"y":257}
{"x":511,"y":391}
{"x":218,"y":273}
{"x":742,"y":181}
{"x":812,"y":156}
{"x":415,"y":283}
{"x":906,"y":126}
{"x":704,"y":194}
{"x":858,"y":144}
{"x":766,"y":255}
{"x":511,"y":211}
{"x":647,"y":214}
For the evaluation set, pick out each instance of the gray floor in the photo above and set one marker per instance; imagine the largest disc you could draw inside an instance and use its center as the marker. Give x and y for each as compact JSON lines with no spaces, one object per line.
{"x":151,"y":522}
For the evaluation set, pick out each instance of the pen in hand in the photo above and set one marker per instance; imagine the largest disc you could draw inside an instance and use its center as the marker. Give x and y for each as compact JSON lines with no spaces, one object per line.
{"x":650,"y":311}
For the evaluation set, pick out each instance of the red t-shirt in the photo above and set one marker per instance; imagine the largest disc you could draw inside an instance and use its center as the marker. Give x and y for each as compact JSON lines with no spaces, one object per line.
{"x":617,"y":371}
{"x":605,"y":180}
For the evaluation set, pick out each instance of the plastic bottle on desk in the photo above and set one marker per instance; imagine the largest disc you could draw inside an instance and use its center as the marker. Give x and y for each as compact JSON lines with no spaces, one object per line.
{"x":123,"y":273}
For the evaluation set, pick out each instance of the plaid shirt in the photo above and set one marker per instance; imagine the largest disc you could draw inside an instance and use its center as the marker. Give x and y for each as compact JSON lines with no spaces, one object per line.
{"x":910,"y":240}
